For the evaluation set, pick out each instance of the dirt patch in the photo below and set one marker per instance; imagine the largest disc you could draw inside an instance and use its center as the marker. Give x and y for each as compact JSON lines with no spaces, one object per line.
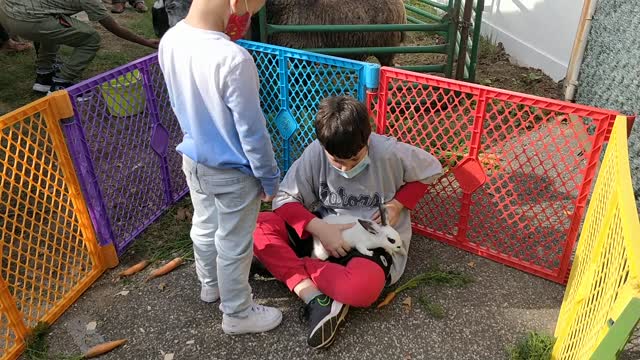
{"x":494,"y":68}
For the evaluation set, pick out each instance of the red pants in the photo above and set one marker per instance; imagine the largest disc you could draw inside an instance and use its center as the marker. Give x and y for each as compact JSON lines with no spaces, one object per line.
{"x":358,"y":284}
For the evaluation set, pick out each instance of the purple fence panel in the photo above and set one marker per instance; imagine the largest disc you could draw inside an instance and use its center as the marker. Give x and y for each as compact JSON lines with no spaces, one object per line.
{"x":120,"y":144}
{"x":168,"y":119}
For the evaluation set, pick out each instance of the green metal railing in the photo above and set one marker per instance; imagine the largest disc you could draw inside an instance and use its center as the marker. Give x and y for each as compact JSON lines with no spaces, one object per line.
{"x":455,"y":20}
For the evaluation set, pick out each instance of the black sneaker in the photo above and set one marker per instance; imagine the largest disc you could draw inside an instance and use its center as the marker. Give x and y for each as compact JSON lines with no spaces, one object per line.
{"x":59,"y":85}
{"x":43,"y":82}
{"x":324,"y":316}
{"x":57,"y":65}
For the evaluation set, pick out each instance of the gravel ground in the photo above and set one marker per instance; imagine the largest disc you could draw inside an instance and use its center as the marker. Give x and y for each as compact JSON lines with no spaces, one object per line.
{"x":164,"y":319}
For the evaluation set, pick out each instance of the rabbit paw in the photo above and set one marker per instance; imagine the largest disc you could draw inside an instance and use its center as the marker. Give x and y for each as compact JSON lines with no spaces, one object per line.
{"x":364,"y":251}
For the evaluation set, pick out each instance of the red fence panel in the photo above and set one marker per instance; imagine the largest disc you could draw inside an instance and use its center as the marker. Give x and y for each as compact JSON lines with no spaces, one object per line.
{"x":518,"y":168}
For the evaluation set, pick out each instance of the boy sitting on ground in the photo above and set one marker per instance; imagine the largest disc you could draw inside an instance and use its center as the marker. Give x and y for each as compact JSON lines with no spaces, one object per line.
{"x":351,"y":171}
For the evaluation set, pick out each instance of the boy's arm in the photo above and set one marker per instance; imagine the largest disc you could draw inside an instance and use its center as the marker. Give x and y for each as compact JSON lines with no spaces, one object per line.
{"x":298,"y":192}
{"x":306,"y":224}
{"x":297,"y":216}
{"x":112,"y":25}
{"x":410,"y":193}
{"x":420,"y":170}
{"x":242,"y":98}
{"x":97,"y":12}
{"x":419,"y":165}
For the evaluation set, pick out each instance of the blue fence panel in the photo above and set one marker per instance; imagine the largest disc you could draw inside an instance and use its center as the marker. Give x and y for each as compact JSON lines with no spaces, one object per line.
{"x":292,"y":84}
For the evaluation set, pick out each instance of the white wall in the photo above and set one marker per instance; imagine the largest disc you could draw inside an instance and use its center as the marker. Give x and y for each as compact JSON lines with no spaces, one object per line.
{"x":536,"y":33}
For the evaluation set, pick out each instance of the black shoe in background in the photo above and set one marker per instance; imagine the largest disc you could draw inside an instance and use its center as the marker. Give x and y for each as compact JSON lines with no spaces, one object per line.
{"x":43,"y":83}
{"x":60,"y":85}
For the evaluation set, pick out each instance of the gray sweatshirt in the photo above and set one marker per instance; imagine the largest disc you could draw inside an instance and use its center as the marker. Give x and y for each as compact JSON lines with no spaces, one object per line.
{"x":312,"y":181}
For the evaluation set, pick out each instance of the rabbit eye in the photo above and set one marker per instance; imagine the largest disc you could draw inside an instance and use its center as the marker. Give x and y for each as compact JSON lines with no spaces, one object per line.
{"x":391,"y":240}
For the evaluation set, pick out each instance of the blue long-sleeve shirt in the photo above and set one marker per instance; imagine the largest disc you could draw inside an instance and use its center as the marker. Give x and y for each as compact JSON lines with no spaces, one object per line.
{"x":213,"y":87}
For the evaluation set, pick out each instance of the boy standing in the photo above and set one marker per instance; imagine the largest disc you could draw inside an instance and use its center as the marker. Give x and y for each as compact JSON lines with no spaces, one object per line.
{"x":351,"y":171}
{"x":228,"y":157}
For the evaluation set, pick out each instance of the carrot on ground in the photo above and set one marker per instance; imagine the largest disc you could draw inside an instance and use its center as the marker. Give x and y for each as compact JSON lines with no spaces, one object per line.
{"x":390,"y":296}
{"x":134,"y":269}
{"x":166,"y":268}
{"x":103,"y":348}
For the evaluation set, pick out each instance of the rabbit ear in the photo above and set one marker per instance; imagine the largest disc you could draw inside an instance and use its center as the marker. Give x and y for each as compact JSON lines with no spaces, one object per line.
{"x":383,"y":214}
{"x":369,"y":226}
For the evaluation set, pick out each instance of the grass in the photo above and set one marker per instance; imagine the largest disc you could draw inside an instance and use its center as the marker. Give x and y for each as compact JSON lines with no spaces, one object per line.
{"x":428,"y":8}
{"x":488,"y":48}
{"x":168,"y":237}
{"x":18,"y":72}
{"x":38,"y":348}
{"x":534,"y":346}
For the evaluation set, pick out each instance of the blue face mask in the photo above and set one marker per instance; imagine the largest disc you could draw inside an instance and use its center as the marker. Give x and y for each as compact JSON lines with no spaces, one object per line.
{"x":349,"y":174}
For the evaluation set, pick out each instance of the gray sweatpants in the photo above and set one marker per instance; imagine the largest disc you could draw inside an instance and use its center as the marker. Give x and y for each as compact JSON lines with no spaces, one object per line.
{"x":226,"y":203}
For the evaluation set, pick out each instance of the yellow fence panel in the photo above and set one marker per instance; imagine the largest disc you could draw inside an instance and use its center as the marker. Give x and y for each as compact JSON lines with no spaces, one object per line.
{"x":49,"y":250}
{"x":605,"y":277}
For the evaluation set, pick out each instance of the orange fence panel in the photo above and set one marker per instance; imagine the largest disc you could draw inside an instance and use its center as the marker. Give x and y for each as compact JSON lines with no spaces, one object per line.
{"x":49,"y":250}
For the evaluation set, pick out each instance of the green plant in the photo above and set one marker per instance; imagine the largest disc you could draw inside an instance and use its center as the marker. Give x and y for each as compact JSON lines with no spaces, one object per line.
{"x":535,"y":346}
{"x":435,"y":277}
{"x":434,"y":310}
{"x":37,"y":346}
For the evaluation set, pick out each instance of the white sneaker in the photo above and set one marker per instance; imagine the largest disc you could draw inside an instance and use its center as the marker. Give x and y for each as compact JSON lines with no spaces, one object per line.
{"x":260,"y":319}
{"x":209,"y":294}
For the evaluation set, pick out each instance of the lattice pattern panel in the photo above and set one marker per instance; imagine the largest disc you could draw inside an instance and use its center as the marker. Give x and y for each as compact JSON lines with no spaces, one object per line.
{"x":124,"y":137}
{"x":10,"y":343}
{"x":292,"y":84}
{"x":605,"y":274}
{"x":120,"y":142}
{"x":49,"y":250}
{"x":168,"y":119}
{"x":517,"y":168}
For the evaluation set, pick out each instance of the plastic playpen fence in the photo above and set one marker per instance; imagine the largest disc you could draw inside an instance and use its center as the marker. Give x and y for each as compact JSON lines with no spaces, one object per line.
{"x":518,"y":167}
{"x":49,"y":251}
{"x":124,"y":135}
{"x":601,"y":304}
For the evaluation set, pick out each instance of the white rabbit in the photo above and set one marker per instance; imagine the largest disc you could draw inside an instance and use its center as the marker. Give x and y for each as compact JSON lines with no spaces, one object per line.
{"x":363,"y":236}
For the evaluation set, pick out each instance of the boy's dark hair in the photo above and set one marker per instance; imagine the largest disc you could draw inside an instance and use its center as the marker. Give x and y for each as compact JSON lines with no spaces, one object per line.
{"x":342,"y":126}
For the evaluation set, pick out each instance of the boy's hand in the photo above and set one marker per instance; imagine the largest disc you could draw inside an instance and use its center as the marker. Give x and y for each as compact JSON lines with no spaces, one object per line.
{"x":394,"y":208}
{"x":153,"y":43}
{"x":266,"y":198}
{"x":330,"y":235}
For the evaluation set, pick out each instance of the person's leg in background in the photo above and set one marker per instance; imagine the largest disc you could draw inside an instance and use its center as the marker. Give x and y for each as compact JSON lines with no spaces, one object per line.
{"x":119,"y":5}
{"x":177,"y":10}
{"x":167,"y":13}
{"x":50,"y":33}
{"x":74,"y":33}
{"x":327,"y":288}
{"x":4,"y":35}
{"x":10,"y":45}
